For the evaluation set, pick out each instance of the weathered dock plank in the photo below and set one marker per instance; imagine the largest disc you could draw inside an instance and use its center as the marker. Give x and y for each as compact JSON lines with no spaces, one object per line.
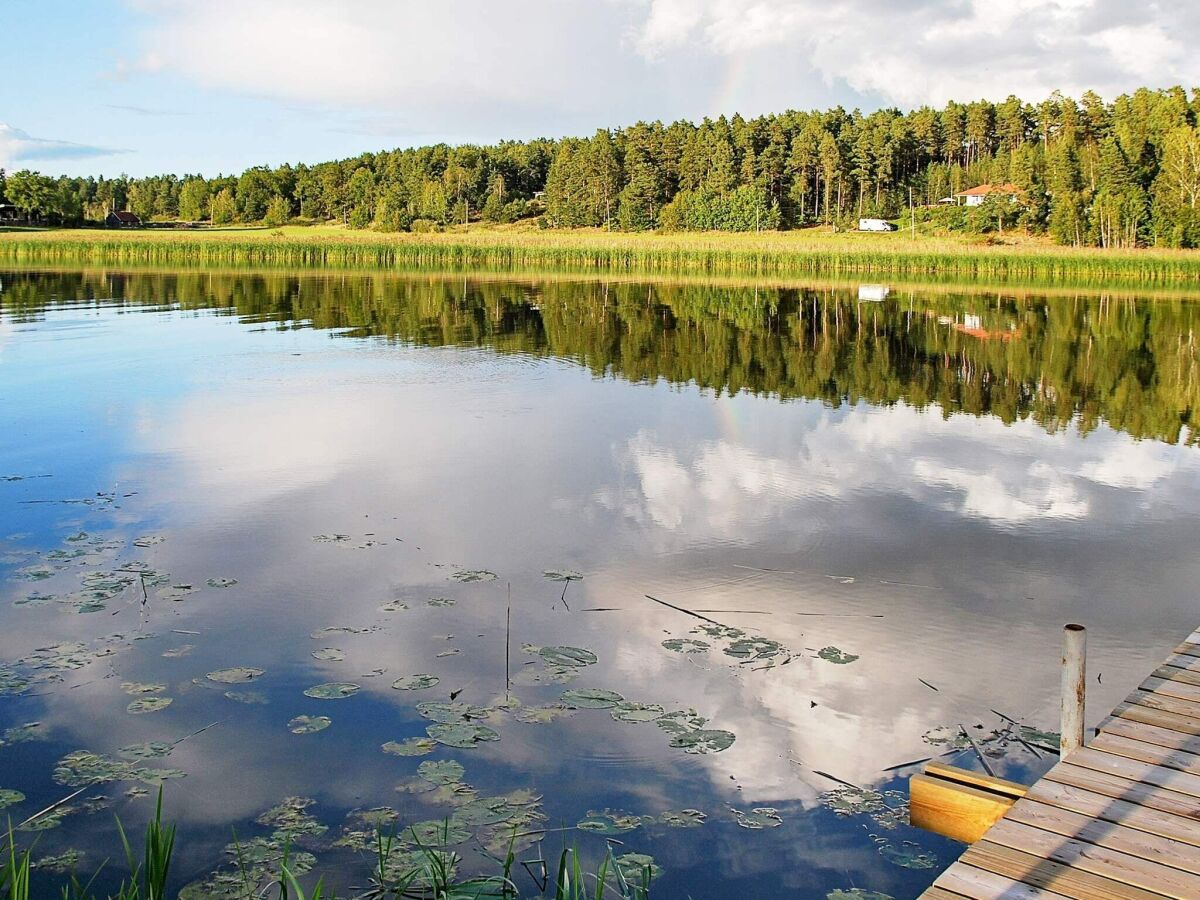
{"x":1118,"y":818}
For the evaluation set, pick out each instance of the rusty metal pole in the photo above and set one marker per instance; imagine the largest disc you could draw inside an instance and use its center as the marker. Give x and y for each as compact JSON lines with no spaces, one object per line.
{"x":1074,"y":688}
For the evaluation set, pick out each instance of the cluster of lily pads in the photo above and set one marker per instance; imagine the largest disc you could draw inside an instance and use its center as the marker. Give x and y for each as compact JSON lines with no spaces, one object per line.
{"x":97,"y":587}
{"x":753,"y":650}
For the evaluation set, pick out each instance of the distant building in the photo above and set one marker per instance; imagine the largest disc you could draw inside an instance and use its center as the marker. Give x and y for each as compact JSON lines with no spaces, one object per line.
{"x":122,"y":220}
{"x":875,"y":225}
{"x":9,"y":213}
{"x":976,"y":195}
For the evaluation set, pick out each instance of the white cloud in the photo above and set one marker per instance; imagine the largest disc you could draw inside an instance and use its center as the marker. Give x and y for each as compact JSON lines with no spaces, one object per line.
{"x":16,"y":146}
{"x":550,"y":65}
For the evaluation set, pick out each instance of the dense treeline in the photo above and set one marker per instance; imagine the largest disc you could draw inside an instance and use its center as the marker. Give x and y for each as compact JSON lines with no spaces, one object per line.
{"x":1074,"y":361}
{"x":1087,"y":172}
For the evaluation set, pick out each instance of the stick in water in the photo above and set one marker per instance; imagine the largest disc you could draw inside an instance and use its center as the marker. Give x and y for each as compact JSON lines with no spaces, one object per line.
{"x":686,"y":612}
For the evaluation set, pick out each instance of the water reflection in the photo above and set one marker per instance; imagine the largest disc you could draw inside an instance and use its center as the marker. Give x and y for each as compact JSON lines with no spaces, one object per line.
{"x":953,"y":478}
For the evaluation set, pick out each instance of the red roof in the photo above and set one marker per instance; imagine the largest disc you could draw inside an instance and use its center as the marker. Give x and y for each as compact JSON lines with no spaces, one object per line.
{"x":127,"y":217}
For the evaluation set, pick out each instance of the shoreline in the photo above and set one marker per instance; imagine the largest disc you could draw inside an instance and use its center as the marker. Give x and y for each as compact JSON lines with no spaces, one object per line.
{"x":778,"y":255}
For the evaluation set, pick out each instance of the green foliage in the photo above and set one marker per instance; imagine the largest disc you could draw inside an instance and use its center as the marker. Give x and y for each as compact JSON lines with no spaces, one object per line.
{"x":223,"y":207}
{"x":278,"y":212}
{"x":743,"y":209}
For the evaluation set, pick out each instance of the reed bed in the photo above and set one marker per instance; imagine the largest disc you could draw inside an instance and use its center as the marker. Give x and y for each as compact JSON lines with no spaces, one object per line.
{"x":775,"y":255}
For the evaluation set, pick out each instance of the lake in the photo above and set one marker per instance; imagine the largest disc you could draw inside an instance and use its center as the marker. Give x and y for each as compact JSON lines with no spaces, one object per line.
{"x":698,"y":572}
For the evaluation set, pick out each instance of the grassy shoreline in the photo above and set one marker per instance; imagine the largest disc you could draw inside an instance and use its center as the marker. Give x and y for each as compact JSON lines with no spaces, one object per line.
{"x":770,"y":255}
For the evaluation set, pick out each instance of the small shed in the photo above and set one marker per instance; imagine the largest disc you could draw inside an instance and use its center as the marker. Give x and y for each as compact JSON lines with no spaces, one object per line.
{"x":875,"y":225}
{"x":123,"y":219}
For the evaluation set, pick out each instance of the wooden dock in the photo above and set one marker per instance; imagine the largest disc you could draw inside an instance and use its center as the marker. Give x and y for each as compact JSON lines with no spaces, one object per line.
{"x":1117,"y":818}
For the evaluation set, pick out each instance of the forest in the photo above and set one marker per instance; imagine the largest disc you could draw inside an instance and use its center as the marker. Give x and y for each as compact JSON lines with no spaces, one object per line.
{"x":1085,"y":172}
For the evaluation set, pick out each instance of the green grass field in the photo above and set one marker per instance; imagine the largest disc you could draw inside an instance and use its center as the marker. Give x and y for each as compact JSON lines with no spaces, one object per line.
{"x":769,"y":254}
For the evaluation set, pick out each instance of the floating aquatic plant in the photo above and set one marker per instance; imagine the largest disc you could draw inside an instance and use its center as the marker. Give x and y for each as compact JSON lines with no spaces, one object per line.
{"x":442,"y":771}
{"x":309,"y":724}
{"x":471,"y":576}
{"x":906,"y":854}
{"x":703,"y":740}
{"x":591,"y":698}
{"x":415,"y":682}
{"x":759,"y":817}
{"x":686,"y":645}
{"x":463,"y":735}
{"x":250,"y":698}
{"x":236,"y":675}
{"x":836,"y":656}
{"x":683,"y":818}
{"x":10,"y":797}
{"x":608,"y":822}
{"x":148,"y":750}
{"x":148,"y":540}
{"x":332,"y":690}
{"x":631,"y":711}
{"x":221,"y":582}
{"x":142,"y":687}
{"x":567,"y":656}
{"x":441,"y":601}
{"x":181,"y":650}
{"x":417,"y":746}
{"x":148,"y":705}
{"x":562,"y":575}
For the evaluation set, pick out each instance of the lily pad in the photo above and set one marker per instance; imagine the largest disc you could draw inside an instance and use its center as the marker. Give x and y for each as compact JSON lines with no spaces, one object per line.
{"x":442,"y":771}
{"x":148,"y":540}
{"x":333,"y":630}
{"x":703,"y":741}
{"x":567,"y":656}
{"x":471,"y":576}
{"x":221,"y":582}
{"x":591,"y":698}
{"x":149,"y":750}
{"x":58,"y":863}
{"x":683,"y":818}
{"x":723,"y":632}
{"x":148,"y":705}
{"x":332,"y":690}
{"x":907,"y":855}
{"x":562,"y":575}
{"x":836,"y":656}
{"x":9,"y":797}
{"x":393,"y":606}
{"x":309,"y":724}
{"x":136,"y":688}
{"x":637,"y":868}
{"x":608,"y":822}
{"x":331,"y":538}
{"x":759,"y":817}
{"x":947,"y":736}
{"x":450,"y":713}
{"x":629,"y":711}
{"x":250,"y":698}
{"x":415,"y":682}
{"x":418,"y":746}
{"x":753,"y":648}
{"x":686,"y":645}
{"x":329,"y":654}
{"x":236,"y":675}
{"x":435,"y":834}
{"x":463,"y":735}
{"x":441,"y":601}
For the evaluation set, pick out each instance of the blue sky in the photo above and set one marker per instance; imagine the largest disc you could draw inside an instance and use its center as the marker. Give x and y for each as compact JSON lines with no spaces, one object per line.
{"x":143,"y":86}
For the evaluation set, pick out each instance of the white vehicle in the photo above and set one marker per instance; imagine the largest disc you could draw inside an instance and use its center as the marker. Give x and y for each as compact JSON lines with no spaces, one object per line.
{"x":875,"y":225}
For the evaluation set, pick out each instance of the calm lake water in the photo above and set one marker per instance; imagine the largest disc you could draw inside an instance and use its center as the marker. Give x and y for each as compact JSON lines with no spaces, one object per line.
{"x":870,"y":521}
